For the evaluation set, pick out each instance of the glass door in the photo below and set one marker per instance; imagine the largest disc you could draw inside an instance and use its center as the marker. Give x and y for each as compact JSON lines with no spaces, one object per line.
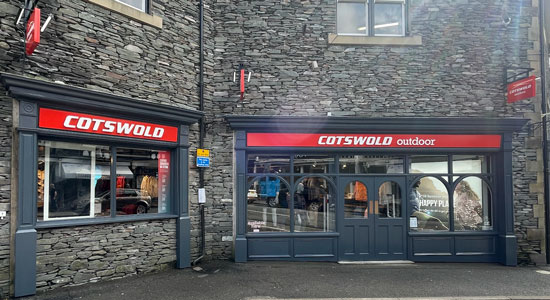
{"x":372,"y":213}
{"x":356,"y":199}
{"x":390,"y":218}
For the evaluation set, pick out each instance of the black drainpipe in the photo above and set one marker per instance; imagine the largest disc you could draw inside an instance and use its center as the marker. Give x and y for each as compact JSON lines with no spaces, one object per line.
{"x":544,"y":129}
{"x":202,"y":131}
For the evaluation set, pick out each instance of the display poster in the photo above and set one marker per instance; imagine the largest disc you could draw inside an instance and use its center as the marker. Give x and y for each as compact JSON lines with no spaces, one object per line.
{"x":163,"y":180}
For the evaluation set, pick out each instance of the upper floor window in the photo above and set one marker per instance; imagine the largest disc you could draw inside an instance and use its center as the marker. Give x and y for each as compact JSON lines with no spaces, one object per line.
{"x":137,"y":4}
{"x":371,"y":17}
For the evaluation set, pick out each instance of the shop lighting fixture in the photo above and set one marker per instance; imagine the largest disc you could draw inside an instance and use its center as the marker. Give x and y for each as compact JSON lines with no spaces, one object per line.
{"x":386,"y":25}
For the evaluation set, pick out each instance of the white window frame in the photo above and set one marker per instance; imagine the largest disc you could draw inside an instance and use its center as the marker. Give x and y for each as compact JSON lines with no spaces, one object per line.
{"x":366,"y":14}
{"x":145,"y":5}
{"x":46,"y":207}
{"x":403,"y":28}
{"x":371,"y":17}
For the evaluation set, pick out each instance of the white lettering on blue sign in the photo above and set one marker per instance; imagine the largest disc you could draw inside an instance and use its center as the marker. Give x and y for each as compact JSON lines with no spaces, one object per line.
{"x":203,"y":162}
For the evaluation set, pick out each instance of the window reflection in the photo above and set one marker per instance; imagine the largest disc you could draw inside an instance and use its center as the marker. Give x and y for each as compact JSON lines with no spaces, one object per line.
{"x":142,"y":181}
{"x":388,"y":19}
{"x":352,"y":18}
{"x":373,"y":164}
{"x":434,"y":164}
{"x":268,"y":205}
{"x":389,"y":198}
{"x":471,"y":164}
{"x":313,"y":205}
{"x":70,"y":176}
{"x":314,"y":164}
{"x":268,"y":163}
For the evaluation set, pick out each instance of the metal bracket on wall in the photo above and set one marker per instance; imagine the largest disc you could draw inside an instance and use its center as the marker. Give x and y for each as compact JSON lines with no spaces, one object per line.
{"x":517,"y":74}
{"x":531,"y":127}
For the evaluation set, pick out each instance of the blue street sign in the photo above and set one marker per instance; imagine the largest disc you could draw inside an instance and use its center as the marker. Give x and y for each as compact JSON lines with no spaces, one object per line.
{"x":203,"y":162}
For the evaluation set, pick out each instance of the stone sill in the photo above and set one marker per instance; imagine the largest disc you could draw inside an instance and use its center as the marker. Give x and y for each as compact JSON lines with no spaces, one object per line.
{"x":130,"y":12}
{"x":335,"y":39}
{"x":101,"y":220}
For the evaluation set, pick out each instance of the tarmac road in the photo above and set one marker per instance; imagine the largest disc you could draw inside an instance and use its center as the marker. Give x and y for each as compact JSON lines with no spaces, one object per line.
{"x":253,"y":280}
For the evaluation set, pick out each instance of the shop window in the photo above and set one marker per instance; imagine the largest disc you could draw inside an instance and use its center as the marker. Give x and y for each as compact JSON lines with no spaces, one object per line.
{"x":353,"y":17}
{"x":74,"y":181}
{"x":356,"y":201}
{"x":268,"y":163}
{"x":268,"y":206}
{"x":428,"y":164}
{"x":137,"y":4}
{"x":70,"y":179}
{"x":314,"y":208}
{"x":473,"y":164}
{"x":371,"y":164}
{"x":429,"y":202}
{"x":314,"y":164}
{"x":472,"y":204}
{"x":141,"y":181}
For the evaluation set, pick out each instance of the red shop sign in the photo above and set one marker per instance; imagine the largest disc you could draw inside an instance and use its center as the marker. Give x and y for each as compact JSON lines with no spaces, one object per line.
{"x":521,"y":89}
{"x":66,"y":120}
{"x":372,"y":140}
{"x":32,"y":34}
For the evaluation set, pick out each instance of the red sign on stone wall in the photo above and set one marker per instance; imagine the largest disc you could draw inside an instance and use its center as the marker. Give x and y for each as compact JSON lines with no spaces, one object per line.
{"x":71,"y":121}
{"x":521,"y":89}
{"x":32,"y":34}
{"x":373,"y":140}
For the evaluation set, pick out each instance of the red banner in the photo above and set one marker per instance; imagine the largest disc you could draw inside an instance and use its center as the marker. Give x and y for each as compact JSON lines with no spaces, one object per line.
{"x":66,"y":120}
{"x":372,"y":140}
{"x":32,"y":34}
{"x":521,"y":89}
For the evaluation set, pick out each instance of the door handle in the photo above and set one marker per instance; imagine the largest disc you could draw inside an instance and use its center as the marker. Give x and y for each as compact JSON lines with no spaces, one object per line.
{"x":370,"y":208}
{"x":376,"y":206}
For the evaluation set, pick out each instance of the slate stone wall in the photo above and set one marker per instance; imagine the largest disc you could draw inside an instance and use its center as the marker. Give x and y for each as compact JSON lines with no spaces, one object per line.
{"x":458,"y":71}
{"x":78,"y":255}
{"x":91,"y":47}
{"x":5,"y":190}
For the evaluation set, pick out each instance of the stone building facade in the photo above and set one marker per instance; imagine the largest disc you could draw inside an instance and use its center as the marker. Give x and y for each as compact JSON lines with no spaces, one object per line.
{"x":453,"y":65}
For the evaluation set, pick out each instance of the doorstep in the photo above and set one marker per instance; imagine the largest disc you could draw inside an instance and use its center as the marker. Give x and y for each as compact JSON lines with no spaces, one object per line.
{"x":377,"y":262}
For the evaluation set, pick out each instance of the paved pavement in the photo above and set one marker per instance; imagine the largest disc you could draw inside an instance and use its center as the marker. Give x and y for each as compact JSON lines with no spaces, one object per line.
{"x":312,"y":280}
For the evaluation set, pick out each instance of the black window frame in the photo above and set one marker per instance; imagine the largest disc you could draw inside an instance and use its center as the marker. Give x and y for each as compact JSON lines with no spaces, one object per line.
{"x":489,"y":177}
{"x":371,"y":17}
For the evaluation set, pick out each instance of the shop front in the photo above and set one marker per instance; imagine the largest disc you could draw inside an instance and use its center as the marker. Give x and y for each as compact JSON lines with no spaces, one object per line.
{"x":359,"y":189}
{"x":89,"y":161}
